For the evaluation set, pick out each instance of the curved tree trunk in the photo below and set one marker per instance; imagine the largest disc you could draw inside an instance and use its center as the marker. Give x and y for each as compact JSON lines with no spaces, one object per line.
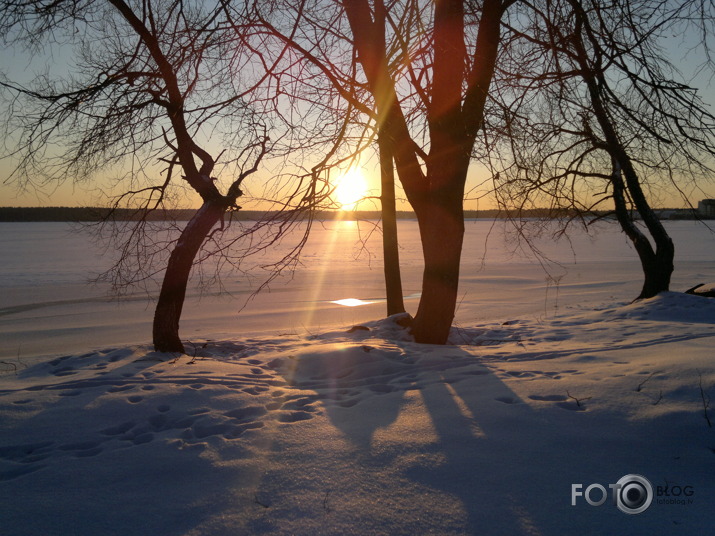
{"x":173,"y":289}
{"x":391,"y":254}
{"x":657,"y":264}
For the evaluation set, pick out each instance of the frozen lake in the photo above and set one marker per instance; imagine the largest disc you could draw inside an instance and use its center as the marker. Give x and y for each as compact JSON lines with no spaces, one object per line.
{"x":47,"y":307}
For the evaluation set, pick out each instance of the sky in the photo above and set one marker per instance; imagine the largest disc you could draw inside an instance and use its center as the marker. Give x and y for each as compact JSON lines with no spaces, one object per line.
{"x":17,"y":65}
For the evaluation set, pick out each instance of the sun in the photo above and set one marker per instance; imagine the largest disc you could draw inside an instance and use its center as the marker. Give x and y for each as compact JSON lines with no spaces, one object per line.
{"x":350,"y":189}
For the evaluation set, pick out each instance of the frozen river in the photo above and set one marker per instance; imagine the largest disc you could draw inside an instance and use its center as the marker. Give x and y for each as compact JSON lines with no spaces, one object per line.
{"x":47,"y":307}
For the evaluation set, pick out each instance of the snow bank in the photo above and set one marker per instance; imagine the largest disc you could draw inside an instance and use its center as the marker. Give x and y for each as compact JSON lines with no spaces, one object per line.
{"x":367,"y":432}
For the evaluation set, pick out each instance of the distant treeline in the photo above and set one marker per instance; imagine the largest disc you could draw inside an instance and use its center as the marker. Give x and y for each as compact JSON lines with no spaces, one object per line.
{"x":91,"y":214}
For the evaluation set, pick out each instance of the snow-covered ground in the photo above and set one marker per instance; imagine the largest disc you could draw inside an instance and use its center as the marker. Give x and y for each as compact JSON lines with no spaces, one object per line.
{"x":286,"y":422}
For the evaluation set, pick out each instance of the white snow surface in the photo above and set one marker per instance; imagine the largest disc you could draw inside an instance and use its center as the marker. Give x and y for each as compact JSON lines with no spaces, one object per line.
{"x":326,"y":431}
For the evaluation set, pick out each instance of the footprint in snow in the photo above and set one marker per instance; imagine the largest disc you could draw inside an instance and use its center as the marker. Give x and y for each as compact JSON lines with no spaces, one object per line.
{"x":548,"y":398}
{"x":120,"y":388}
{"x":508,"y":400}
{"x":118,"y":429}
{"x":572,"y":406}
{"x":561,"y":401}
{"x":295,"y":416}
{"x":73,"y":392}
{"x":64,"y":371}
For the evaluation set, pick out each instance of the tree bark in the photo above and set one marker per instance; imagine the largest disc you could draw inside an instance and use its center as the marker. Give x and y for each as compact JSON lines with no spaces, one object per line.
{"x":658,"y":271}
{"x":657,"y":265}
{"x":657,"y":279}
{"x":391,"y":254}
{"x":173,"y":289}
{"x":441,"y":224}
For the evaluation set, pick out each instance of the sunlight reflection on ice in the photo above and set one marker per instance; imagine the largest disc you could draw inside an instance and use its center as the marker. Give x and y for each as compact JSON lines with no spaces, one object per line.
{"x":355,"y":302}
{"x":352,"y":302}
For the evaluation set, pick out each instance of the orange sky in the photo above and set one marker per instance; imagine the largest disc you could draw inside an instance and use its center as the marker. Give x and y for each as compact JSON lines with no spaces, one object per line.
{"x":17,"y":66}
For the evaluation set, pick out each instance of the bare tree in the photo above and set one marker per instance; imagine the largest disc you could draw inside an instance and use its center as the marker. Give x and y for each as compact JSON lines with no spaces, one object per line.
{"x":390,"y":241}
{"x":445,"y":55}
{"x":156,"y":85}
{"x":315,"y":34}
{"x":593,"y":111}
{"x":424,"y":79}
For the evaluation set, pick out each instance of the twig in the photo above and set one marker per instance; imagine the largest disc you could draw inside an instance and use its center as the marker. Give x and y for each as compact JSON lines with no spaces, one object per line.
{"x":578,"y":400}
{"x":11,"y":364}
{"x":15,"y":365}
{"x":326,"y":506}
{"x":258,"y":501}
{"x":660,"y":397}
{"x":706,"y":400}
{"x":193,"y":359}
{"x":641,"y":384}
{"x":18,"y":357}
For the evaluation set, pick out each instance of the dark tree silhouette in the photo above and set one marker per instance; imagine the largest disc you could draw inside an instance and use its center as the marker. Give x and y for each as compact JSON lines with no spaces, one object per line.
{"x":447,"y":57}
{"x":390,"y":241}
{"x":295,"y":25}
{"x":594,"y":110}
{"x":424,"y":80}
{"x":152,"y":80}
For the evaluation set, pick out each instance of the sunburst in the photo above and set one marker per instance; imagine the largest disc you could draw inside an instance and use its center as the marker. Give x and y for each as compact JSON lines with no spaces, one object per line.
{"x":351,"y":188}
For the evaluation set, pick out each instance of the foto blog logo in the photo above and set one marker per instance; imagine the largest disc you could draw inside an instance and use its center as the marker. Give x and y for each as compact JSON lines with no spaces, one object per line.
{"x":632,"y":494}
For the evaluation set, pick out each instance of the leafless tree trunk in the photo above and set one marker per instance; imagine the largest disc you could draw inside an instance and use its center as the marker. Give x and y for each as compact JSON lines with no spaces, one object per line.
{"x":657,"y":264}
{"x":347,"y":87}
{"x":590,"y":105}
{"x":173,"y":289}
{"x":390,"y":242}
{"x":453,"y":116}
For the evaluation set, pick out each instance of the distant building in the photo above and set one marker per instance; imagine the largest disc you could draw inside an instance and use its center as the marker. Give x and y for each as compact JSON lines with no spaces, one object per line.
{"x":706,"y":208}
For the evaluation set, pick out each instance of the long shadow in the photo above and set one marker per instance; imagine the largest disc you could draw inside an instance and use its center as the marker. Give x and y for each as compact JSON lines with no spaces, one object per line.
{"x":494,"y":463}
{"x":364,"y":390}
{"x":478,"y":424}
{"x":349,"y":377}
{"x":512,"y":467}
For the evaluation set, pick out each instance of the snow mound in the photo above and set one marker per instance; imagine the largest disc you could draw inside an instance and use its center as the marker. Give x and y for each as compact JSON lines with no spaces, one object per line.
{"x":367,"y":432}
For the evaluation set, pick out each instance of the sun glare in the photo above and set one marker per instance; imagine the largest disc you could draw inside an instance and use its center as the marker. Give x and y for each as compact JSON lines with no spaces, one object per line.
{"x":351,"y":188}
